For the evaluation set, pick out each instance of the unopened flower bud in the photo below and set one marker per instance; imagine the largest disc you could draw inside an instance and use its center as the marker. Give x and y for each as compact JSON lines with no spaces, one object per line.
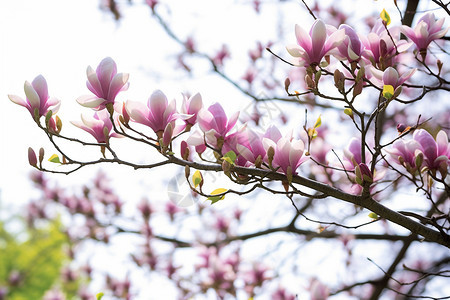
{"x":349,"y":112}
{"x":439,"y":65}
{"x":125,"y":116}
{"x":289,"y":174}
{"x":226,"y":167}
{"x":187,"y":171}
{"x":357,"y":89}
{"x":360,"y":74}
{"x":184,"y":150}
{"x":58,"y":124}
{"x":287,"y":83}
{"x":32,"y":159}
{"x":258,"y":161}
{"x":419,"y":160}
{"x":41,"y":156}
{"x":339,"y":80}
{"x":309,"y":82}
{"x":106,"y":134}
{"x":167,"y":135}
{"x":270,"y":155}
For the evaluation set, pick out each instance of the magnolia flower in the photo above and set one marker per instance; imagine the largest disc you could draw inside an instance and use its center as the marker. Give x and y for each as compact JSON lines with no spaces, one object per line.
{"x":379,"y":49}
{"x":436,"y":153}
{"x":391,"y":77}
{"x":99,"y":126}
{"x":314,"y":46}
{"x":37,"y":98}
{"x":352,"y":154}
{"x":287,"y":154}
{"x":403,"y":152}
{"x":105,"y":83}
{"x":157,"y":114}
{"x":351,"y":48}
{"x":191,"y":107}
{"x":215,"y":123}
{"x":252,"y":148}
{"x":427,"y":30}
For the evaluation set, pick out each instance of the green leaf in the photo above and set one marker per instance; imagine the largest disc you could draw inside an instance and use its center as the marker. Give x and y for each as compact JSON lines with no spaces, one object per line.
{"x":230,"y":157}
{"x":54,"y":159}
{"x":373,"y":215}
{"x":318,"y":122}
{"x":218,"y":191}
{"x":388,"y":91}
{"x":99,"y":296}
{"x":197,"y":178}
{"x":385,"y":17}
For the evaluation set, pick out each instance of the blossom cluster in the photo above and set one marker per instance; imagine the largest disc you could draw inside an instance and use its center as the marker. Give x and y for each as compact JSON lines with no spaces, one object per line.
{"x":376,"y":53}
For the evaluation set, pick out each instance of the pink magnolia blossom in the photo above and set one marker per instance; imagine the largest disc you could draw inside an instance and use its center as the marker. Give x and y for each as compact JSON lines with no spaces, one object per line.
{"x":215,"y":123}
{"x":390,"y":76}
{"x":288,"y":153}
{"x":99,"y":126}
{"x":379,"y":50}
{"x":351,"y":48}
{"x":403,"y":153}
{"x":37,"y":98}
{"x":423,"y":149}
{"x":157,"y":114}
{"x":251,"y":147}
{"x":314,"y":46}
{"x":352,"y":154}
{"x":436,"y":153}
{"x":427,"y":30}
{"x":105,"y":83}
{"x":191,"y":107}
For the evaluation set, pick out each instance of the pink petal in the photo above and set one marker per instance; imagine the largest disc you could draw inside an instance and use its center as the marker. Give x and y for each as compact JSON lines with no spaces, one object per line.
{"x":232,"y":121}
{"x":390,"y":77}
{"x":303,"y":38}
{"x":117,"y":84}
{"x":90,"y":101}
{"x":195,"y":103}
{"x":442,"y":143}
{"x":32,"y":96}
{"x":219,"y":117}
{"x":18,"y":100}
{"x":105,"y":72}
{"x":318,"y":36}
{"x":40,"y":86}
{"x":137,"y":111}
{"x":157,"y":103}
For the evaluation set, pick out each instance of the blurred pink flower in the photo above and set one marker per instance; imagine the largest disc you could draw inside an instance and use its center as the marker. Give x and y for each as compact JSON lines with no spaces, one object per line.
{"x":318,"y":290}
{"x":104,"y":83}
{"x":37,"y":98}
{"x":314,"y":46}
{"x":426,"y":30}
